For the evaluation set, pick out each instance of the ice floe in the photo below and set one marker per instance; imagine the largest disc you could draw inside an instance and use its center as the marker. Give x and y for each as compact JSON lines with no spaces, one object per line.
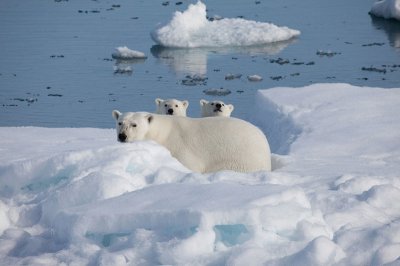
{"x":389,"y":9}
{"x":77,"y":196}
{"x":191,"y":28}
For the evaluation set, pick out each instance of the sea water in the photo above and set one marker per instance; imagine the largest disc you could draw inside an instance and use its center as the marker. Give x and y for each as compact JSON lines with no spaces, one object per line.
{"x":57,"y":69}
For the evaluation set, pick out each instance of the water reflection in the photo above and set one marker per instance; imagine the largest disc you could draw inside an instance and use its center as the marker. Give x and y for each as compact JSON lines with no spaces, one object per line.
{"x":391,"y":27}
{"x":193,"y":61}
{"x":125,"y":66}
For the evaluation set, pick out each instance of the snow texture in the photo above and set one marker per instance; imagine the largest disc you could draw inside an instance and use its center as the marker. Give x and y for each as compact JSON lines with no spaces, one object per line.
{"x":78,"y":197}
{"x":389,"y":9}
{"x":191,"y":28}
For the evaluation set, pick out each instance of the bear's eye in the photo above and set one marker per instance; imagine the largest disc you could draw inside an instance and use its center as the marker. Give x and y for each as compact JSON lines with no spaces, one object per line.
{"x":166,"y":105}
{"x":120,"y":123}
{"x":223,"y":104}
{"x":212,"y":103}
{"x":176,"y":105}
{"x":133,"y":125}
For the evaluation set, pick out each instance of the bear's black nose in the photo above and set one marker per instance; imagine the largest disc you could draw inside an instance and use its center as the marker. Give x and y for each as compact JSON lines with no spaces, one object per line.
{"x":170,"y":111}
{"x":122,"y":137}
{"x":218,"y":105}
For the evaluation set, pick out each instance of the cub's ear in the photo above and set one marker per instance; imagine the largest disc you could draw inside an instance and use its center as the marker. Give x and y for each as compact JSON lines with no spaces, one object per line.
{"x":159,"y":101}
{"x":185,"y":103}
{"x":203,"y":102}
{"x":230,"y":106}
{"x":149,"y":118}
{"x":116,"y":114}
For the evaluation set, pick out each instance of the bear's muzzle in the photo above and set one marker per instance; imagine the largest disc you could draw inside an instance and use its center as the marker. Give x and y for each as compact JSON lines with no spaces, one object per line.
{"x":122,"y":137}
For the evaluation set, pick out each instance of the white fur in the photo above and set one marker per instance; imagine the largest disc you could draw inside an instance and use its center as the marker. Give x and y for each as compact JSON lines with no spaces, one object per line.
{"x":215,"y":108}
{"x":201,"y":144}
{"x":171,"y":107}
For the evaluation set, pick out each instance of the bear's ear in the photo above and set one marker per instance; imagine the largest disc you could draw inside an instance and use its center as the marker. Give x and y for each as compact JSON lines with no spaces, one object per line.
{"x":149,"y":118}
{"x":185,"y":103}
{"x":230,"y":106}
{"x":116,"y":114}
{"x":159,"y":101}
{"x":203,"y":102}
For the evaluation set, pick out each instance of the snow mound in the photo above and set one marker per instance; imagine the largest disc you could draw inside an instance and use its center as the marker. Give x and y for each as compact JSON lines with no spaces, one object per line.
{"x":192,"y":29}
{"x":389,"y":9}
{"x":76,"y":196}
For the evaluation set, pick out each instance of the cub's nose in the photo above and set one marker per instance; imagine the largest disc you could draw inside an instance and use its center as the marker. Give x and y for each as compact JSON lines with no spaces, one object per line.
{"x":170,"y":111}
{"x":122,"y":137}
{"x":218,"y":105}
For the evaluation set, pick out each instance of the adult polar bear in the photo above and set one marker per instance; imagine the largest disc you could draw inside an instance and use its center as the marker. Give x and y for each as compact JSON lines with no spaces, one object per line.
{"x":203,"y":145}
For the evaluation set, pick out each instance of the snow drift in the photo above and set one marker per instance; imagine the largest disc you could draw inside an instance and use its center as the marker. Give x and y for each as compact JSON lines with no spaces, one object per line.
{"x":76,"y":196}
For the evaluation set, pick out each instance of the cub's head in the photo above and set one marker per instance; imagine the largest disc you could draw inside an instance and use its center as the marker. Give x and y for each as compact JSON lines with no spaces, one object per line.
{"x":171,"y":107}
{"x":215,"y":108}
{"x":131,"y":126}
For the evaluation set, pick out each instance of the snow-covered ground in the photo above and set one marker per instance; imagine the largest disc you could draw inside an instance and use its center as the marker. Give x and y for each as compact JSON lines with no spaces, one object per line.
{"x":191,"y":28}
{"x":389,"y":9}
{"x":76,"y":196}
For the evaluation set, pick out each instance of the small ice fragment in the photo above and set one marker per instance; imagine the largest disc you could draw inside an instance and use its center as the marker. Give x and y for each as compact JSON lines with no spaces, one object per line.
{"x":193,"y":80}
{"x":217,"y":92}
{"x":327,"y":53}
{"x":233,"y":76}
{"x":124,"y":53}
{"x":254,"y":78}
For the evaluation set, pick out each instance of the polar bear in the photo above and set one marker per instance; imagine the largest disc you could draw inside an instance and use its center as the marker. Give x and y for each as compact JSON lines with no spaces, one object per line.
{"x":215,"y":108}
{"x":171,"y":107}
{"x":203,"y":145}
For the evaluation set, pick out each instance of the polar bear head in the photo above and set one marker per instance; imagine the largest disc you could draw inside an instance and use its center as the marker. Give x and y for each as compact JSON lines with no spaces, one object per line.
{"x":131,"y":126}
{"x":171,"y":107}
{"x":215,"y":108}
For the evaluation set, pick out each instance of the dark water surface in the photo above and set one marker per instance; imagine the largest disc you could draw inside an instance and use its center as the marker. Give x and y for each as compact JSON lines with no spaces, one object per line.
{"x":56,"y":67}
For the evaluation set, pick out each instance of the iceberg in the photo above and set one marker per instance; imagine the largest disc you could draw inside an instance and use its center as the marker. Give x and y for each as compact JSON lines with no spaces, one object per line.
{"x":190,"y":29}
{"x":388,"y":9}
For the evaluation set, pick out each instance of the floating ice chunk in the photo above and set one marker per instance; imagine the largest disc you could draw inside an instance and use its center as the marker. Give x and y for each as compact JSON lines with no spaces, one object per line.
{"x":254,"y":78}
{"x":192,"y":29}
{"x":217,"y":92}
{"x":327,"y":53}
{"x":233,"y":76}
{"x":386,"y":9}
{"x":124,"y":53}
{"x":193,"y":80}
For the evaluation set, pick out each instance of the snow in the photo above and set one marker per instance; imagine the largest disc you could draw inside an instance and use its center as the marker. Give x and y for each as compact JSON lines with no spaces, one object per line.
{"x":77,"y":196}
{"x":389,"y":9}
{"x":192,"y":29}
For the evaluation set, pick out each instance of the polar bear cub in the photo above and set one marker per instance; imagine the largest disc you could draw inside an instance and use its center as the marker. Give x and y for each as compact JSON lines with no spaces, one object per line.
{"x":215,"y":108}
{"x":171,"y":107}
{"x":202,"y":145}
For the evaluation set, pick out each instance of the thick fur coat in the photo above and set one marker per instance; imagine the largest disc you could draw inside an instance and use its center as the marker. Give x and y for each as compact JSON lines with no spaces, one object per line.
{"x":215,"y":108}
{"x":171,"y":107}
{"x":201,"y":144}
